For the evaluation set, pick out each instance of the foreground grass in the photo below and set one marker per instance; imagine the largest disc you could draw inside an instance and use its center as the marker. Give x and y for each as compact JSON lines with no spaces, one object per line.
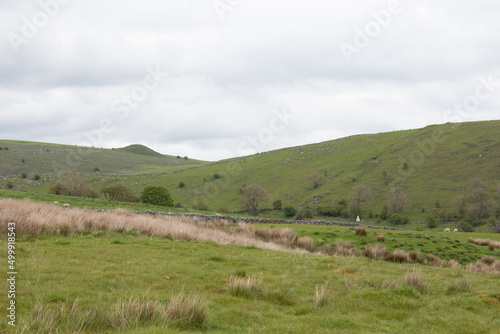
{"x":101,"y":271}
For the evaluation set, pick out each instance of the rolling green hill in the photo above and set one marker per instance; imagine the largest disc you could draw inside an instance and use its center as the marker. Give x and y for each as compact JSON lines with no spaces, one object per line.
{"x":432,"y":165}
{"x":142,"y":150}
{"x":17,"y":157}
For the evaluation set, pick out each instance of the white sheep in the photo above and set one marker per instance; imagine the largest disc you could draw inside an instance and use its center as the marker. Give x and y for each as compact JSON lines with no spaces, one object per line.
{"x":56,"y":203}
{"x":455,"y":230}
{"x":66,"y":205}
{"x":447,"y":230}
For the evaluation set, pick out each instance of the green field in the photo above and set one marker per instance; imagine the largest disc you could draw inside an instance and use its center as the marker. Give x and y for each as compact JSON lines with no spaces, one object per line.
{"x":364,"y":296}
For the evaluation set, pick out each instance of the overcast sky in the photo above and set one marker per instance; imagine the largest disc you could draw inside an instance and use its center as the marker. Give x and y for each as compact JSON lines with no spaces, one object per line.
{"x":217,"y":79}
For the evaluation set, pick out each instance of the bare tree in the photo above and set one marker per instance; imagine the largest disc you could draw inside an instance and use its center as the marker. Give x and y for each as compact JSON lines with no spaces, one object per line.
{"x":75,"y":184}
{"x":360,"y":195}
{"x":398,"y":201}
{"x":253,"y":196}
{"x":481,"y":204}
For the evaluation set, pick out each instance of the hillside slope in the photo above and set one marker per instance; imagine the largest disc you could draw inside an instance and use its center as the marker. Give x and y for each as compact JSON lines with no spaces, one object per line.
{"x":432,"y":165}
{"x":18,"y":157}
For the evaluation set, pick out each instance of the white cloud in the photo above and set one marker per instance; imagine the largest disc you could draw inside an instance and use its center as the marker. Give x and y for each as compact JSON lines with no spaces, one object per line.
{"x":226,"y":79}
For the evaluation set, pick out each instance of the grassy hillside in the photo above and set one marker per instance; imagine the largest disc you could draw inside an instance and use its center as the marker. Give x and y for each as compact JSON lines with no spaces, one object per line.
{"x":18,"y":157}
{"x":121,"y":273}
{"x":432,"y":165}
{"x":141,"y":149}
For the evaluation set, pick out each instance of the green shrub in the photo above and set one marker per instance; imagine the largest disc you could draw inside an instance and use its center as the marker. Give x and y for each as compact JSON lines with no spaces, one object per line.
{"x":289,"y":211}
{"x":277,"y":205}
{"x":202,"y":206}
{"x":304,"y":214}
{"x":118,"y":192}
{"x":156,"y":195}
{"x":396,"y":218}
{"x":465,"y":226}
{"x":181,"y":185}
{"x":431,"y":222}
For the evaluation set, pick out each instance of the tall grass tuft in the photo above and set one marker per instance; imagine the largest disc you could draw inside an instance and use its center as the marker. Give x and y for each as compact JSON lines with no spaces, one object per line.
{"x":361,"y":231}
{"x":188,"y":312}
{"x":414,"y":278}
{"x":244,"y":286}
{"x":381,"y":238}
{"x":434,"y":261}
{"x":400,"y":256}
{"x":487,"y":265}
{"x":377,"y":252}
{"x":321,"y":295}
{"x":135,"y":311}
{"x":345,"y":248}
{"x":462,"y":284}
{"x":416,"y":257}
{"x":485,"y":242}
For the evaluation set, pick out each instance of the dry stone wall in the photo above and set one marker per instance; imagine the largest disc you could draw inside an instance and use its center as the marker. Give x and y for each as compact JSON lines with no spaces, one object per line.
{"x":235,"y":220}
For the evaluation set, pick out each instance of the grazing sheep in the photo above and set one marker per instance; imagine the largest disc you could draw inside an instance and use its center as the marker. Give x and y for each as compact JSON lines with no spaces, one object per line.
{"x":447,"y":230}
{"x":455,"y":230}
{"x":218,"y":214}
{"x":66,"y":205}
{"x":56,"y":203}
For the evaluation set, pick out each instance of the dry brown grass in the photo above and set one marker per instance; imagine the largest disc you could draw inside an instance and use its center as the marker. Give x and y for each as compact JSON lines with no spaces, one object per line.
{"x":416,"y":257}
{"x":434,"y":261}
{"x":377,"y":252}
{"x":345,"y":248}
{"x":486,"y":242}
{"x":361,"y":231}
{"x":454,"y":264}
{"x":37,"y":218}
{"x":400,"y":256}
{"x":487,"y":265}
{"x":381,"y":238}
{"x":244,"y":286}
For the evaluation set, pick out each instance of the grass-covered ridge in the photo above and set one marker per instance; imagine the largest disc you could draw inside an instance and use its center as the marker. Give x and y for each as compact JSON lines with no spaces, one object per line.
{"x":431,"y":165}
{"x":19,"y":157}
{"x":92,"y":273}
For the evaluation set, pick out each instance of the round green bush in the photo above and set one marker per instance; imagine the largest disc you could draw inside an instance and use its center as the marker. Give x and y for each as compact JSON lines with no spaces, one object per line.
{"x":156,"y":195}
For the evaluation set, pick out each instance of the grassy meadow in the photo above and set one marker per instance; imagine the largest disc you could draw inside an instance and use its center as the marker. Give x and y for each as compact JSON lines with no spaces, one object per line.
{"x":81,"y":271}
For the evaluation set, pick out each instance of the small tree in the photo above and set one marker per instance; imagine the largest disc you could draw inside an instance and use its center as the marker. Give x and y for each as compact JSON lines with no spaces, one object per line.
{"x":75,"y":184}
{"x":359,"y":197}
{"x":118,"y":192}
{"x":156,"y":195}
{"x":481,"y":203}
{"x":24,"y":175}
{"x":398,"y":201}
{"x":181,"y":185}
{"x":253,"y":196}
{"x":277,"y":205}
